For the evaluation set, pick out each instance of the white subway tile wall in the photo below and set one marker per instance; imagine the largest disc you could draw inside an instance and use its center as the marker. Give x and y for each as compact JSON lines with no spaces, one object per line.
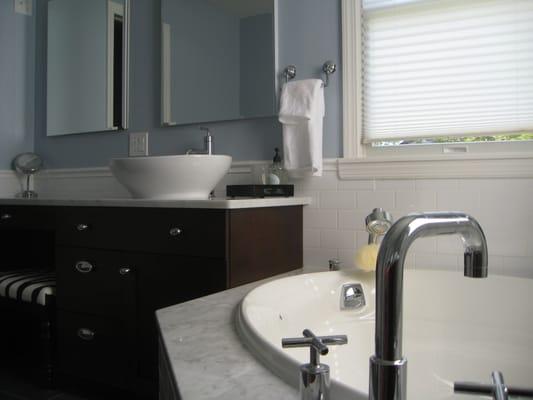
{"x":334,"y":223}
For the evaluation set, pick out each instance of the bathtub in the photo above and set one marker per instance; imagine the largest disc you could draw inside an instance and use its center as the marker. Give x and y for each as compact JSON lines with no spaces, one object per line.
{"x":454,"y":329}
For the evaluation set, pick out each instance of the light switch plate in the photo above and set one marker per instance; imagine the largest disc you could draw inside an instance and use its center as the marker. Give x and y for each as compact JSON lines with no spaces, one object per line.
{"x":138,"y":144}
{"x":24,"y":7}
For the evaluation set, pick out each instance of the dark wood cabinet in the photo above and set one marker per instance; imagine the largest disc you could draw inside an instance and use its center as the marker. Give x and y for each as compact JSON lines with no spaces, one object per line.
{"x":263,"y":243}
{"x":157,"y":230}
{"x":97,"y":348}
{"x":116,"y":266}
{"x":97,"y":282}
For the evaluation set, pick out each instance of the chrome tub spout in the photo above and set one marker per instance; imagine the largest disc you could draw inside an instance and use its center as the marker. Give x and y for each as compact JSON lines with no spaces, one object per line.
{"x":388,"y":367}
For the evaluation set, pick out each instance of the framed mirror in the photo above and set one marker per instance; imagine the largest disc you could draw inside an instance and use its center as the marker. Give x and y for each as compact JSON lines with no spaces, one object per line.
{"x":218,"y":60}
{"x":87,"y":66}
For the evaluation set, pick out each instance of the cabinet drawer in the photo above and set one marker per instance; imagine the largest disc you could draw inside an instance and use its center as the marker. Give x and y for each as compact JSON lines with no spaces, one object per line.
{"x":96,"y":348}
{"x":155,"y":230}
{"x":26,"y":237}
{"x":96,"y":281}
{"x":27,"y":217}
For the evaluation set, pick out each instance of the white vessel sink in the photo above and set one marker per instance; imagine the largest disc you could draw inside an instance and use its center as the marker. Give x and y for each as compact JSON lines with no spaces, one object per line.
{"x":455,"y":329}
{"x":183,"y":177}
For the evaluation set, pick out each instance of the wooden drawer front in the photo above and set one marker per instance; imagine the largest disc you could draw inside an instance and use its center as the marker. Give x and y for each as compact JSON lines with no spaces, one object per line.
{"x":96,"y":281}
{"x":26,"y":237}
{"x":27,"y":217}
{"x":96,"y":348}
{"x":155,"y":230}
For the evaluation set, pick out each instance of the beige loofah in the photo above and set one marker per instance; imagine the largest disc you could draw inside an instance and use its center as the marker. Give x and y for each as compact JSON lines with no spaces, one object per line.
{"x":366,"y":257}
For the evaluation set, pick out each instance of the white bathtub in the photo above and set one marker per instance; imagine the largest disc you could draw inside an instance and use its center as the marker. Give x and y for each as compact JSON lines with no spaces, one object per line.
{"x":455,"y":329}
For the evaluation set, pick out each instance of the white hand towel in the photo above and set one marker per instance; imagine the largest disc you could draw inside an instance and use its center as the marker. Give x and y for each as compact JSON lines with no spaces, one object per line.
{"x":302,"y":114}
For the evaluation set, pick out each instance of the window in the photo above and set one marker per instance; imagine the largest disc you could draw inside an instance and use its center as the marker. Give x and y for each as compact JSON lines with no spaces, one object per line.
{"x":438,"y":71}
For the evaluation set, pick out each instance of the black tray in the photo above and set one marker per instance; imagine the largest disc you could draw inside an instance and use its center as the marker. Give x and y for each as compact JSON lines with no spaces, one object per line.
{"x":260,"y":191}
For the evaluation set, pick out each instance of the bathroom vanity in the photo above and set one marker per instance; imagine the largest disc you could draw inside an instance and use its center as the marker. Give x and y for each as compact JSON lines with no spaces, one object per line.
{"x":118,"y":261}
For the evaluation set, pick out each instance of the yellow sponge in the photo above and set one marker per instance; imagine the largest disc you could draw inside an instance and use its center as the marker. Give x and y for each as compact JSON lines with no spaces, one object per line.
{"x":366,"y":257}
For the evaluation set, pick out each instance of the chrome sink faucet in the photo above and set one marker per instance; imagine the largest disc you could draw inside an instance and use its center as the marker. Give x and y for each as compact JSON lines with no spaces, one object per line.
{"x":388,"y":367}
{"x":208,"y":143}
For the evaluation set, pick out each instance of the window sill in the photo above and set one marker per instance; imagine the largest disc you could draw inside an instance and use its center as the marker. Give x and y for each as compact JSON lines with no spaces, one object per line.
{"x":518,"y":165}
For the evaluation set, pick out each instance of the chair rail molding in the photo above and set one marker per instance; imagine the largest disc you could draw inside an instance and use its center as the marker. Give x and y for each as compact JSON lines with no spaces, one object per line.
{"x":99,"y":182}
{"x":10,"y":183}
{"x":438,"y":167}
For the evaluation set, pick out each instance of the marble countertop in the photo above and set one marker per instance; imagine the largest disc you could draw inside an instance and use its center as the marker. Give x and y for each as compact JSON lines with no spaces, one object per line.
{"x":207,"y":357}
{"x":217,"y":203}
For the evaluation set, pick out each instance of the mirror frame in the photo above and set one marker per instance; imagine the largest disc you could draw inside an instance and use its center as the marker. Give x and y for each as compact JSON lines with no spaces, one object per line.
{"x":126,"y":67}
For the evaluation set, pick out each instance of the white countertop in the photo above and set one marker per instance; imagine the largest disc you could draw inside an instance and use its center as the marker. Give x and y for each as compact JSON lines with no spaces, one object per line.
{"x":217,"y":203}
{"x":207,"y":357}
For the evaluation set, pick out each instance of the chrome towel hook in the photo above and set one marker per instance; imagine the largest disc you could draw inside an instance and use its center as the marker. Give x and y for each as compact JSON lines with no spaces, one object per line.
{"x":289,"y":72}
{"x":328,"y":68}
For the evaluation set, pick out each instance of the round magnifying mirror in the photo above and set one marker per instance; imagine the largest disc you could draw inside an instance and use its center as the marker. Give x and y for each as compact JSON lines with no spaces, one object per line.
{"x":28,"y":164}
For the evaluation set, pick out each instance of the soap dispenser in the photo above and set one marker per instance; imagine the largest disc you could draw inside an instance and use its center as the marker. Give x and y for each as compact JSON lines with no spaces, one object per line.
{"x":277,"y":175}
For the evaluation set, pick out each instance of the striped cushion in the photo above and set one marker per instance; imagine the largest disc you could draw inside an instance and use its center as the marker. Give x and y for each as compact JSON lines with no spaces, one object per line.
{"x":28,"y":285}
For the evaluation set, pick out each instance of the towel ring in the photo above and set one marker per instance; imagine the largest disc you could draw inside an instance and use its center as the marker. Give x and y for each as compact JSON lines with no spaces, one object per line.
{"x":328,"y":68}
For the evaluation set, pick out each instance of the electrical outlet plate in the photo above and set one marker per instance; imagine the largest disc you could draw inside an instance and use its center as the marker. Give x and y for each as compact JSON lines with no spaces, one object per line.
{"x":138,"y":142}
{"x":24,"y":7}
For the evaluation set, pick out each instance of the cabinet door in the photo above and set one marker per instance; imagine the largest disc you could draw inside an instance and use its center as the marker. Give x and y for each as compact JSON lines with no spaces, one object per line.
{"x":167,"y":280}
{"x":98,"y":349}
{"x":96,"y":282}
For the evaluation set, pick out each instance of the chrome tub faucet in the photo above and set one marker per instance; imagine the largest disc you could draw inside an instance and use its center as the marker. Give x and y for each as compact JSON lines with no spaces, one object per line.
{"x":388,"y":367}
{"x":314,"y":376}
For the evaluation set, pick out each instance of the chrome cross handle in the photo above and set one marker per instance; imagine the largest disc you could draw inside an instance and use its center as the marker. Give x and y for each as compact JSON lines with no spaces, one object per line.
{"x":498,"y":389}
{"x":314,"y":377}
{"x":317,"y":343}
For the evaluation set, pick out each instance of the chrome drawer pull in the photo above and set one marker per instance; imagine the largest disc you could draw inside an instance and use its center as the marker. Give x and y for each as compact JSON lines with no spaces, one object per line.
{"x":124,"y":271}
{"x":86,"y":334}
{"x":84,"y":267}
{"x":82,"y":227}
{"x":175,"y":231}
{"x":5,"y":217}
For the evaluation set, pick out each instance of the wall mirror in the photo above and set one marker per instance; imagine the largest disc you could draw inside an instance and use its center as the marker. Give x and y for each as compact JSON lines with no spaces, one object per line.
{"x":87,"y":66}
{"x":218,"y":60}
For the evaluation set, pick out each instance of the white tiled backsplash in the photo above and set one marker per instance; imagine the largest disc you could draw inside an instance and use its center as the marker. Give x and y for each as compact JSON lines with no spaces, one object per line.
{"x":334,"y":223}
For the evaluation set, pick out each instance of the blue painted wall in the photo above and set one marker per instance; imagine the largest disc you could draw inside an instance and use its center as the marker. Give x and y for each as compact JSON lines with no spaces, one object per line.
{"x":309,"y":34}
{"x":16,"y":83}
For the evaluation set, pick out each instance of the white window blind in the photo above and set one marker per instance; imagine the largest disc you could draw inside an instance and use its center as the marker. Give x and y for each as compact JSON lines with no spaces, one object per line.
{"x":446,"y":68}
